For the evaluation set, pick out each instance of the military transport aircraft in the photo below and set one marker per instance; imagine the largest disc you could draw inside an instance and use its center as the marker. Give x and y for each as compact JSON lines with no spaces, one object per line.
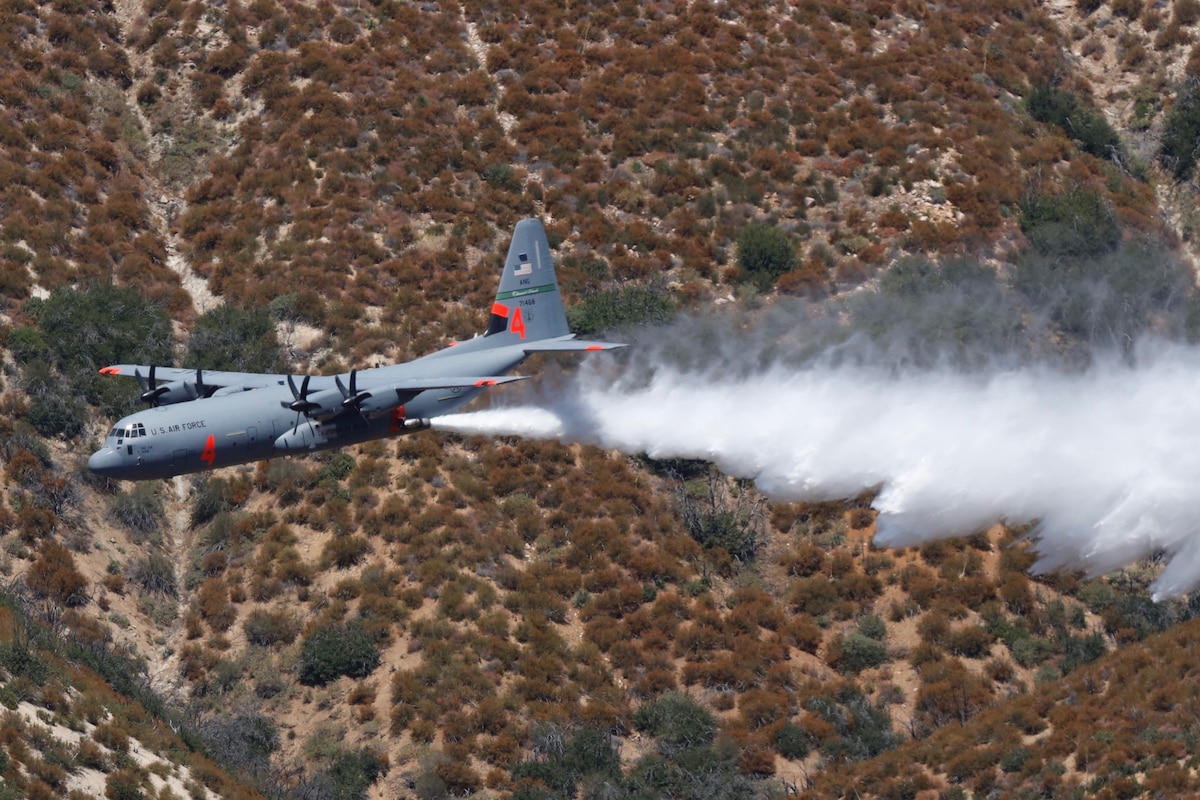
{"x":201,"y":420}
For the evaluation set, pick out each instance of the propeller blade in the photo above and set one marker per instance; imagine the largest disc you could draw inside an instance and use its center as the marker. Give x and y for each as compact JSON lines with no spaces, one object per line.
{"x":301,"y":404}
{"x":151,"y":391}
{"x":351,"y":397}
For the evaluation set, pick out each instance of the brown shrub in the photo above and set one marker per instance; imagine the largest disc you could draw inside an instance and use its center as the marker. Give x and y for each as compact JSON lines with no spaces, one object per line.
{"x":212,"y":602}
{"x":815,"y":596}
{"x":53,"y":575}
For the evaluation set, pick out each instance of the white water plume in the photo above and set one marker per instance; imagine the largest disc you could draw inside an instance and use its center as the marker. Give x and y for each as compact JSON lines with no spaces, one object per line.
{"x":1103,"y":459}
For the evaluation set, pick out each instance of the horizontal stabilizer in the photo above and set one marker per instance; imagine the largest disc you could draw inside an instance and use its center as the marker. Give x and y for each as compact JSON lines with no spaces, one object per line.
{"x":569,"y":345}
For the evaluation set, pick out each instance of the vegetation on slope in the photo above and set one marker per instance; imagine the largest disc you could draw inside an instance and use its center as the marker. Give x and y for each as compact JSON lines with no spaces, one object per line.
{"x":80,"y":721}
{"x":449,"y":616}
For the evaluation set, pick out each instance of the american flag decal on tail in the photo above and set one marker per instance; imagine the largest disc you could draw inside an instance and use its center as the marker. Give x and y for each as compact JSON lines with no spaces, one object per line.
{"x":524,"y":267}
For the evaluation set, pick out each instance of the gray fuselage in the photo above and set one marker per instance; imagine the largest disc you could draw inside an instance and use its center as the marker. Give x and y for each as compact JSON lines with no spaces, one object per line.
{"x":243,"y":424}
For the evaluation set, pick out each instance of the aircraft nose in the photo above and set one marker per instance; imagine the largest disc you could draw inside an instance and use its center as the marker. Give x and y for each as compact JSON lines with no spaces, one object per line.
{"x":103,"y":462}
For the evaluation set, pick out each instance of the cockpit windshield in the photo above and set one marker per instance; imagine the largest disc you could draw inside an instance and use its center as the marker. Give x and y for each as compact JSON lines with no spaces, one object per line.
{"x":132,"y":431}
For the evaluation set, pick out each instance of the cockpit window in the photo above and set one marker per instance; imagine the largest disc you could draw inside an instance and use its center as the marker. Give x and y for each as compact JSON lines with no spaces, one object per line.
{"x":129,"y":431}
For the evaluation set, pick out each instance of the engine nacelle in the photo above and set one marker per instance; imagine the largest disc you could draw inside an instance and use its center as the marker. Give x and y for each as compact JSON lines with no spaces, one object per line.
{"x":383,"y":401}
{"x":175,"y":392}
{"x":304,"y":437}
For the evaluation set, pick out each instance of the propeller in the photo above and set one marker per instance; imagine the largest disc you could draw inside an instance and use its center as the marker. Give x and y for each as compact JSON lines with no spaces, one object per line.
{"x":351,"y":397}
{"x":300,"y":402}
{"x":151,"y":391}
{"x":201,"y":389}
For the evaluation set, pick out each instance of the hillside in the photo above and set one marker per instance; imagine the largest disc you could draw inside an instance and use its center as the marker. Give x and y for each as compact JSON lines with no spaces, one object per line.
{"x":315,"y":186}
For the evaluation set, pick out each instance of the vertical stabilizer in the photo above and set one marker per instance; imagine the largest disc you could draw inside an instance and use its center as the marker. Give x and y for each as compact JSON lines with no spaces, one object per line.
{"x":528,"y":306}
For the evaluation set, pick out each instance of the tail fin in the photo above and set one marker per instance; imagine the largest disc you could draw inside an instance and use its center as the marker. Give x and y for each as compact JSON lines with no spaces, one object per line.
{"x":528,"y":306}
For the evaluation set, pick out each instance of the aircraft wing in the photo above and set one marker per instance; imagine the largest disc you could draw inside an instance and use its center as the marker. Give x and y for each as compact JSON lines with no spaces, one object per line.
{"x":373,"y":401}
{"x":423,"y":384}
{"x":216,"y":378}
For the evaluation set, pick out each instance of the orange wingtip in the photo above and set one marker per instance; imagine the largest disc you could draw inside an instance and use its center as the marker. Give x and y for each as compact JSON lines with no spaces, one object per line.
{"x":485,"y":382}
{"x":594,"y":347}
{"x":110,"y":371}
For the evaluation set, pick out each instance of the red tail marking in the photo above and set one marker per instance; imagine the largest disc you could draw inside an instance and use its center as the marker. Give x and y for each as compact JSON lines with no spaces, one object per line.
{"x":210,"y":451}
{"x":501,"y":310}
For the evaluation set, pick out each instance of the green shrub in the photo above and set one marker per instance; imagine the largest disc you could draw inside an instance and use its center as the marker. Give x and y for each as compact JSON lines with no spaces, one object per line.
{"x":101,"y":324}
{"x":338,"y":466}
{"x":244,"y":742}
{"x":55,"y":415}
{"x":764,"y":253}
{"x":792,"y":741}
{"x":124,"y":784}
{"x":1181,"y":133}
{"x":213,"y":495}
{"x":268,"y":628}
{"x":305,"y":305}
{"x":502,"y":176}
{"x":1075,"y":224}
{"x":1085,"y":125}
{"x":331,"y":652}
{"x":155,"y":574}
{"x":872,"y":627}
{"x":139,"y":510}
{"x":615,"y":308}
{"x":1014,"y":760}
{"x":22,"y":660}
{"x":862,"y":729}
{"x":852,"y":654}
{"x":565,"y":760}
{"x":1079,"y":650}
{"x":931,"y":310}
{"x":353,"y":772}
{"x":231,"y":338}
{"x":721,"y":528}
{"x":590,"y":751}
{"x":677,"y":721}
{"x":84,"y":329}
{"x":1113,"y":298}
